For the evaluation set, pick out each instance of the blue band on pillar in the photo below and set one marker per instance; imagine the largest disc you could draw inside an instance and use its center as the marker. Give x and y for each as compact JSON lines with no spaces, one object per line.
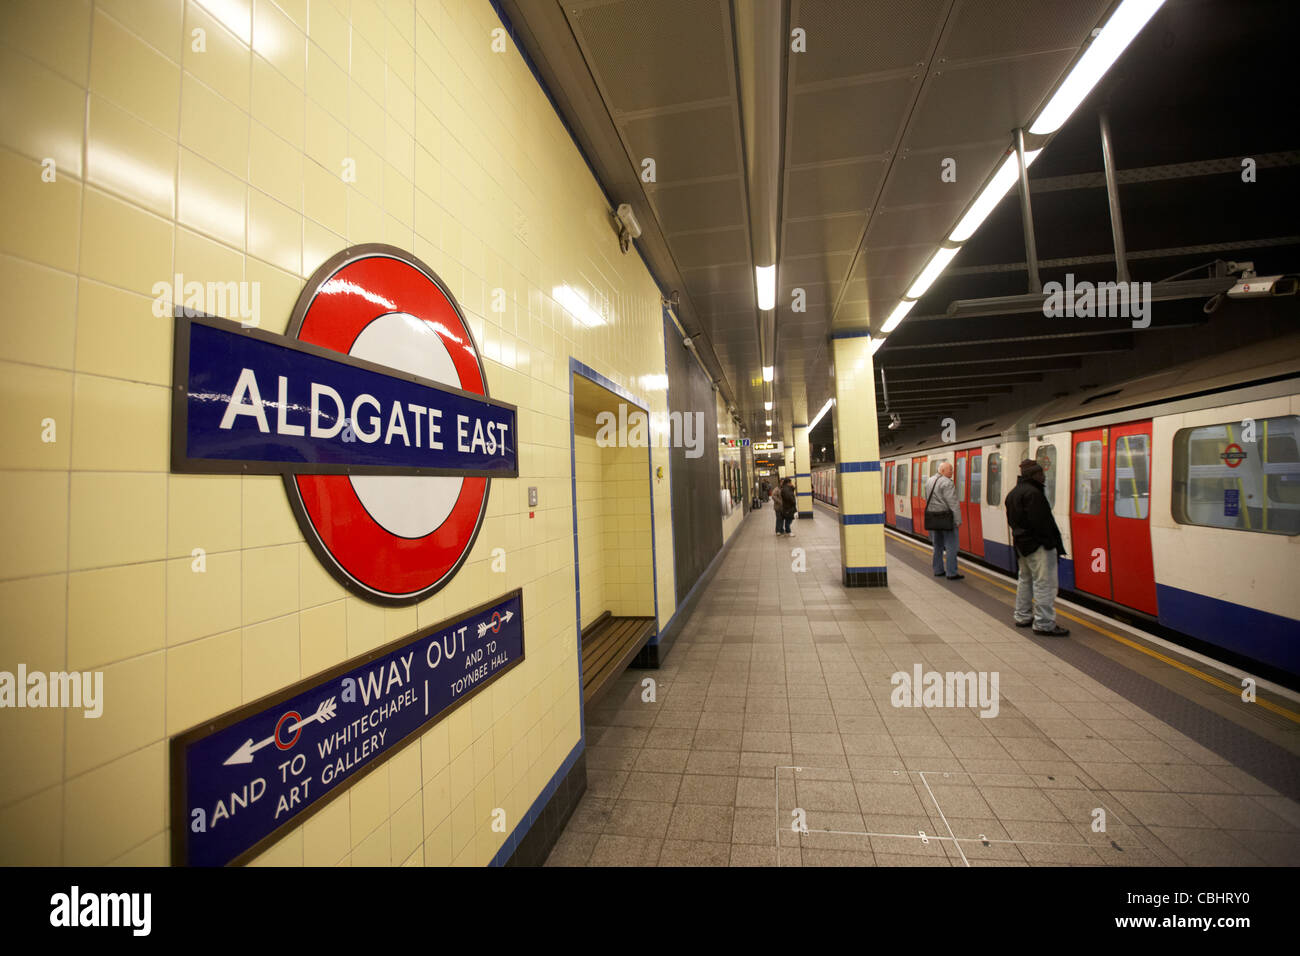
{"x":849,"y":467}
{"x":863,"y":519}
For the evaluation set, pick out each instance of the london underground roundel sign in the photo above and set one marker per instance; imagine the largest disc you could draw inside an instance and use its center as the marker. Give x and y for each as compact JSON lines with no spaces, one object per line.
{"x":375,"y":409}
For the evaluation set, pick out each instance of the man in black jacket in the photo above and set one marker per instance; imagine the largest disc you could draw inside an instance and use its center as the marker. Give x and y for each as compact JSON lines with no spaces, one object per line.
{"x":1038,"y":544}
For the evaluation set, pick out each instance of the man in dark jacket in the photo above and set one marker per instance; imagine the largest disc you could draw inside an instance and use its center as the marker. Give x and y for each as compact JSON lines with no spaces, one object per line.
{"x":1038,"y":544}
{"x":789,"y":505}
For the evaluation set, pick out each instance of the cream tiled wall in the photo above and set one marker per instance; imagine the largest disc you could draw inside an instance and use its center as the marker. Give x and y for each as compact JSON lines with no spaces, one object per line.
{"x":210,"y":139}
{"x":591,"y":528}
{"x":629,"y":589}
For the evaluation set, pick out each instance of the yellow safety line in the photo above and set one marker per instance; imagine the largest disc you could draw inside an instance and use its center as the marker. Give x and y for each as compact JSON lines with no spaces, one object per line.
{"x":1208,"y":678}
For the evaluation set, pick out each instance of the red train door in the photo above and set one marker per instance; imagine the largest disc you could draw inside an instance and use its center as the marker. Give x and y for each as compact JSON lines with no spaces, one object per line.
{"x":918,"y":495}
{"x":889,"y":492}
{"x":970,"y":514}
{"x":1110,"y":514}
{"x":1132,"y":569}
{"x":1089,"y":506}
{"x":959,"y":478}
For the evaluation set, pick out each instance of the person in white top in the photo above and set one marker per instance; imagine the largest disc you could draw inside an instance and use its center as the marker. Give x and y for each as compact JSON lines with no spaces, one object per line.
{"x":942,"y":519}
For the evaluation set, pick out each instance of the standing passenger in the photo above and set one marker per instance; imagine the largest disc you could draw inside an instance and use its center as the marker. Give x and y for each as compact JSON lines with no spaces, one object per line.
{"x":775,"y":495}
{"x":942,"y":519}
{"x":789,"y":505}
{"x":1038,"y":543}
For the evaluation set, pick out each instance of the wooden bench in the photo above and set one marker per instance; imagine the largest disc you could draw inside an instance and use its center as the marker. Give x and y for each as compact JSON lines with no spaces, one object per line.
{"x":608,"y":645}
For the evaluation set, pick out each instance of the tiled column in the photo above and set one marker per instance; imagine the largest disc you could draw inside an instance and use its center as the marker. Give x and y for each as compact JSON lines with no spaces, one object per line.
{"x":857,"y":446}
{"x":802,"y":472}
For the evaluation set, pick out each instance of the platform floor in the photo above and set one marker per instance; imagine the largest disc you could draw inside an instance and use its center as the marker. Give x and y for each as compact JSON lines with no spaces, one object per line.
{"x":773,"y":711}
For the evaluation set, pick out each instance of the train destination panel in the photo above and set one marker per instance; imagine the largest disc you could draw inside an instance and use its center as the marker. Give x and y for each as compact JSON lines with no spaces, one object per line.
{"x":240,"y":781}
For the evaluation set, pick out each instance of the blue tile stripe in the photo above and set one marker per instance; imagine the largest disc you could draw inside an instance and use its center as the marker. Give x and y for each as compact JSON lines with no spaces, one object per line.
{"x":519,"y":832}
{"x":586,"y":371}
{"x":803,"y":494}
{"x":850,"y":334}
{"x":865,"y":569}
{"x":848,"y":467}
{"x":803,"y":474}
{"x":863,"y":519}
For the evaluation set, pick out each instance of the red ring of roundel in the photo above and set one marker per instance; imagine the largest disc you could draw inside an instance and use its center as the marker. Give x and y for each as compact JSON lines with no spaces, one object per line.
{"x":344,"y":303}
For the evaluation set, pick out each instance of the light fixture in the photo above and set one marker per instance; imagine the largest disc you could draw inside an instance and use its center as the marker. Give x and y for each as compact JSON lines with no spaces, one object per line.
{"x":765,"y":278}
{"x":1125,"y":24}
{"x":576,"y":304}
{"x":818,"y":417}
{"x":991,"y":195}
{"x":768,"y":372}
{"x":938,"y":262}
{"x":769,"y":423}
{"x":875,"y":345}
{"x":767,"y":406}
{"x":899,"y":313}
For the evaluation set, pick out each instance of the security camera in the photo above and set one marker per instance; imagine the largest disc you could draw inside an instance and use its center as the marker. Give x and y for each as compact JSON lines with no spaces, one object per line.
{"x":715,"y":385}
{"x":894,"y":421}
{"x":688,"y":342}
{"x":628,"y":227}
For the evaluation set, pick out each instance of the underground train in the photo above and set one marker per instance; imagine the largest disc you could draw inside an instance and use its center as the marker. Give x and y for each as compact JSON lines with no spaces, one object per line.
{"x":1177,"y":496}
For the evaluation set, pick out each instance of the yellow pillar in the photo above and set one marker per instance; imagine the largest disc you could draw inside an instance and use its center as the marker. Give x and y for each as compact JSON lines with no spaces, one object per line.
{"x":857,"y":448}
{"x":802,"y":472}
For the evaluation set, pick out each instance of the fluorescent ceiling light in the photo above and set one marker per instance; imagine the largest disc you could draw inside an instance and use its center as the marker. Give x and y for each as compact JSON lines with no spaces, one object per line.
{"x":899,"y":313}
{"x":818,"y":417}
{"x":768,"y":372}
{"x":992,"y":194}
{"x":875,"y":345}
{"x":767,"y":406}
{"x":938,"y":262}
{"x":765,"y":277}
{"x":1114,"y":38}
{"x":769,"y":423}
{"x":576,"y":304}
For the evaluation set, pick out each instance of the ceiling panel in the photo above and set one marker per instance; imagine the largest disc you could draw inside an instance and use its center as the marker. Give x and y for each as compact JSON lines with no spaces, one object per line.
{"x":827,"y":190}
{"x":995,"y":28}
{"x":804,"y":237}
{"x":847,"y":121}
{"x":686,"y":144}
{"x":973,"y":103}
{"x":705,"y":205}
{"x":652,"y":55}
{"x":865,"y":36}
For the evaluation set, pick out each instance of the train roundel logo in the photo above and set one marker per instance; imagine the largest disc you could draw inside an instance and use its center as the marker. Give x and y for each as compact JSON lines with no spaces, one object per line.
{"x":393,"y":538}
{"x":1233,"y":455}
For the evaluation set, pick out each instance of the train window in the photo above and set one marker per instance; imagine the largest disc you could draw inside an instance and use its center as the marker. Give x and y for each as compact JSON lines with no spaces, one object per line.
{"x":934,"y":466}
{"x":1132,"y":476}
{"x":900,"y":483}
{"x":995,"y":480}
{"x":961,"y":479}
{"x":1223,"y":479}
{"x":976,"y":478}
{"x":1046,"y":456}
{"x":1087,"y":478}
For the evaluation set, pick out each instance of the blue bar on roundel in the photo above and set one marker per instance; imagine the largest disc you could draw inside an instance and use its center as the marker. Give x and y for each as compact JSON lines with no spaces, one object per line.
{"x":268,"y":404}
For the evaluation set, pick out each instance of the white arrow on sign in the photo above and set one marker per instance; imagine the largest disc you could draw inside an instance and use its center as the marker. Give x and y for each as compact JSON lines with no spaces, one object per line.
{"x":483,"y":626}
{"x":246,"y":750}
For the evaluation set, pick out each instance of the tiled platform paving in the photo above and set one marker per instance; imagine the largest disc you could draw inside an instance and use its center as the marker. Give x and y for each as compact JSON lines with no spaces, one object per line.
{"x":777,"y":697}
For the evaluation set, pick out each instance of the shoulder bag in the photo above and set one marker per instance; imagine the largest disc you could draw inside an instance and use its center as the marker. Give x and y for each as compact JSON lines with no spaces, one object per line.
{"x":937,"y":520}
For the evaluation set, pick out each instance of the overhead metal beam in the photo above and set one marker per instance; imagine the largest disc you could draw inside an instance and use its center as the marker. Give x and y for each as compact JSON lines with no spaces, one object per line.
{"x":990,"y":370}
{"x":1027,"y":215}
{"x":1112,"y":198}
{"x":1209,"y":248}
{"x":1013,"y":304}
{"x":959,"y":355}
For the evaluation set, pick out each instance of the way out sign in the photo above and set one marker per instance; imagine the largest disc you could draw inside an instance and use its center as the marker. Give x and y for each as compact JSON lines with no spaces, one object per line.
{"x":375,"y":410}
{"x":240,"y":781}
